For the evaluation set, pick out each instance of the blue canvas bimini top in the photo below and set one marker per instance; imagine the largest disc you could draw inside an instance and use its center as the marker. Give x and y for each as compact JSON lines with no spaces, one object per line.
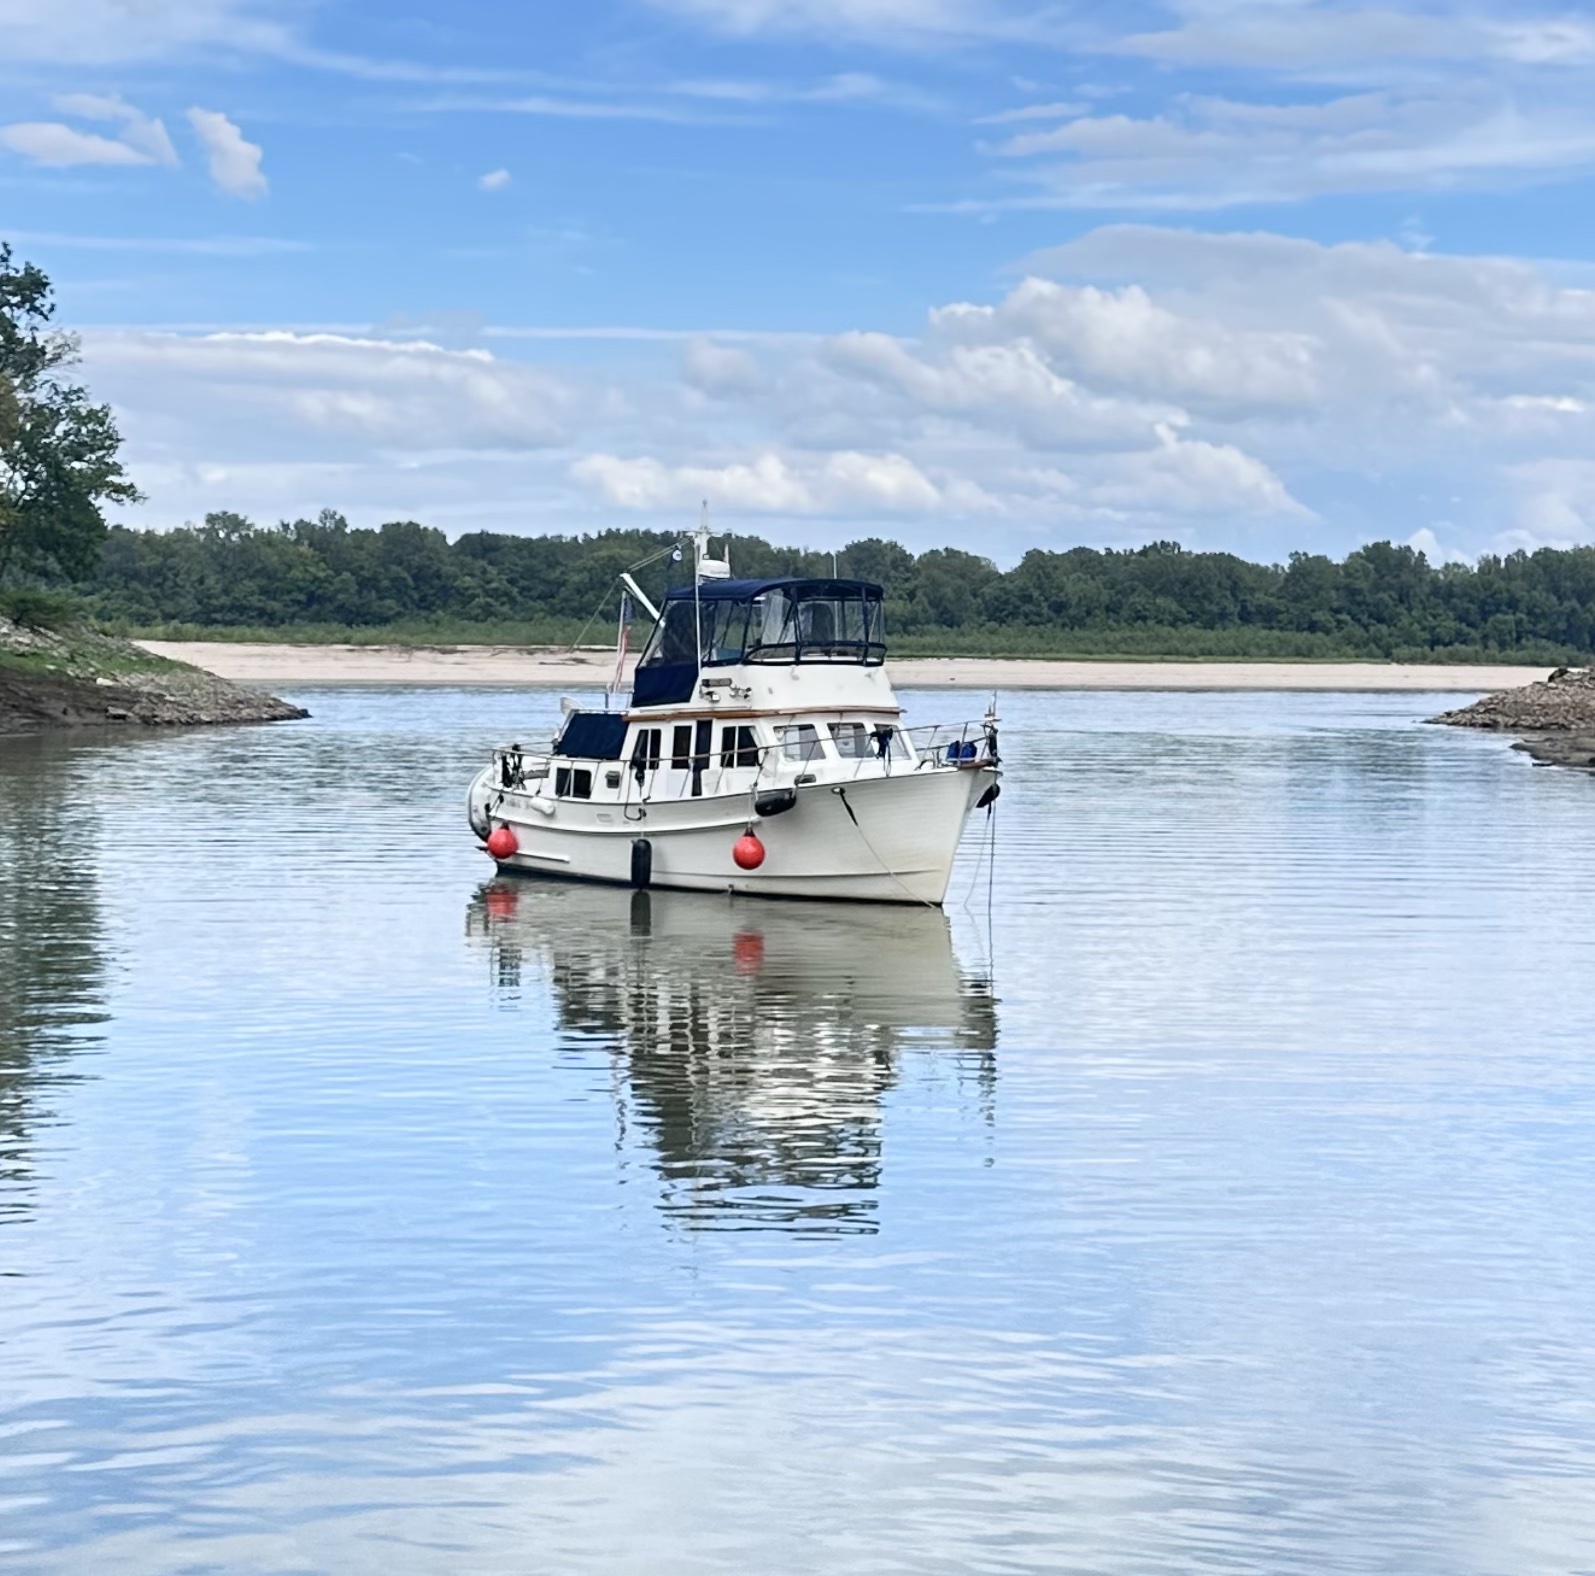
{"x":746,"y":590}
{"x":722,"y":622}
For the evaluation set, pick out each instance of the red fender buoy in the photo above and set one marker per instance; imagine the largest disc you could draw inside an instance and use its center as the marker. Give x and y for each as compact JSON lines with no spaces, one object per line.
{"x":748,"y":851}
{"x":502,"y":842}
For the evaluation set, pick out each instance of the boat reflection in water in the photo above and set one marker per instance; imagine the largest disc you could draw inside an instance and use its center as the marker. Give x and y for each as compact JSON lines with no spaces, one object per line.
{"x":755,"y":1043}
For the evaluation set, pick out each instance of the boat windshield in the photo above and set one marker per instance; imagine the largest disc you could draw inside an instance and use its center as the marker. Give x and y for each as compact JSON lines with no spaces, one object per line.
{"x":826,"y":621}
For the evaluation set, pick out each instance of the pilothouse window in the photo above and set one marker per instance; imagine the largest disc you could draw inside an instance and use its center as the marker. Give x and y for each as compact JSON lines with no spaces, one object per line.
{"x":853,"y":741}
{"x":801,"y":742}
{"x":738,"y":747}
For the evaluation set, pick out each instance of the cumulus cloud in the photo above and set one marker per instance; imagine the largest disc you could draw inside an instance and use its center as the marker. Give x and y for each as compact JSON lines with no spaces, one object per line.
{"x":1193,"y":477}
{"x":1008,"y":385}
{"x":1426,"y":542}
{"x":1252,"y":391}
{"x":720,"y":371}
{"x":769,"y":483}
{"x":233,"y":162}
{"x":494,"y":180}
{"x":1124,"y":340}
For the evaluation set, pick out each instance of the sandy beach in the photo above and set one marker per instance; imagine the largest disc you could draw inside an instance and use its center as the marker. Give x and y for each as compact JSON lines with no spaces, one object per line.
{"x":288,"y":666}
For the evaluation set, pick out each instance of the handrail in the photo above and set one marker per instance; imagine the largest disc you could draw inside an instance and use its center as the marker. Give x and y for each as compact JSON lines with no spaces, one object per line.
{"x":932,"y":745}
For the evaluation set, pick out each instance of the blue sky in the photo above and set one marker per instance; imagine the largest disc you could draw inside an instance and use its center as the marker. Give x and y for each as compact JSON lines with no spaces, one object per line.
{"x":1254,"y":274}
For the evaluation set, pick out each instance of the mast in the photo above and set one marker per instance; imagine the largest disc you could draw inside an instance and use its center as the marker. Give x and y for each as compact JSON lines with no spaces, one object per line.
{"x":704,"y":568}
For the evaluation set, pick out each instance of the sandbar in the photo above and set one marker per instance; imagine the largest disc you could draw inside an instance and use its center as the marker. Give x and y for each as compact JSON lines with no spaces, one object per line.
{"x":289,"y":666}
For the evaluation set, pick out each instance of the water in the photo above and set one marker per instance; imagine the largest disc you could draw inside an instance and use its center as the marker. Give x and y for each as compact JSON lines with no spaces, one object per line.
{"x":1223,"y":1202}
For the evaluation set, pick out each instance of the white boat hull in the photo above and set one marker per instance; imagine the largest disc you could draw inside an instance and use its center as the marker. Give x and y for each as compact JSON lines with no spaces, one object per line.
{"x":882,"y":839}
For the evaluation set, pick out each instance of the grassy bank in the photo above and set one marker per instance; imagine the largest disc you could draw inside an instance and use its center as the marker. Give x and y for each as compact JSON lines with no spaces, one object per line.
{"x":75,"y":651}
{"x":76,"y":676}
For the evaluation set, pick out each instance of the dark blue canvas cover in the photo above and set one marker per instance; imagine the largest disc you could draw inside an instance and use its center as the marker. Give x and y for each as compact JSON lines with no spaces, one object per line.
{"x":593,"y":736}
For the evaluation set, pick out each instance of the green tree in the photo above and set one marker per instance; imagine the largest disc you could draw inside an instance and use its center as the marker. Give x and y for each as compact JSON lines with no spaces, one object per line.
{"x":58,"y":451}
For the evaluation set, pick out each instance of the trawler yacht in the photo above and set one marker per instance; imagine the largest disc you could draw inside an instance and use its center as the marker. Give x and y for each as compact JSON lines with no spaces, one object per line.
{"x":762,"y":751}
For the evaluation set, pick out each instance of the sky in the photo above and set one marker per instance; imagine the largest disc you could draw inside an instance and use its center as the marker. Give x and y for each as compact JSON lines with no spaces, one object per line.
{"x":1255,"y":275}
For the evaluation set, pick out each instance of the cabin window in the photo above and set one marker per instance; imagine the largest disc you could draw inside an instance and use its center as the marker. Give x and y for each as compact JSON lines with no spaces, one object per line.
{"x":738,"y":747}
{"x":853,"y":741}
{"x":573,"y":782}
{"x":801,"y":742}
{"x":681,"y":747}
{"x":645,"y":751}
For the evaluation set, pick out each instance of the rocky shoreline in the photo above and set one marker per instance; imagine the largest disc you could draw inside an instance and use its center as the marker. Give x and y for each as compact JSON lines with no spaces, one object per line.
{"x":1555,"y":717}
{"x":80,"y":678}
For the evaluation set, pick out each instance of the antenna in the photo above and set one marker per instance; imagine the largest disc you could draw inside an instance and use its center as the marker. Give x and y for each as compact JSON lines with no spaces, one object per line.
{"x":708,"y":568}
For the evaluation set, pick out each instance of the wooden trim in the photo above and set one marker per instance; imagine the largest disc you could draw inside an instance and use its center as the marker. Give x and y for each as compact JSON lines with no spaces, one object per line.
{"x":647,"y":718}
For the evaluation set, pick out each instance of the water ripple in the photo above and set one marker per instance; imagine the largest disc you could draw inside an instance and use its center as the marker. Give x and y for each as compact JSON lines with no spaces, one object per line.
{"x":1220,"y":1204}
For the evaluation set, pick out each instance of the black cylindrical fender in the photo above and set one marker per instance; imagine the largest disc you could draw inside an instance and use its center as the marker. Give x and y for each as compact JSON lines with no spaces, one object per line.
{"x":642,"y":863}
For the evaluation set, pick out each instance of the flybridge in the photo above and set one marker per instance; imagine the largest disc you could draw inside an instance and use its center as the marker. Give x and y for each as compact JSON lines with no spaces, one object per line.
{"x":719,"y":622}
{"x":723,"y":623}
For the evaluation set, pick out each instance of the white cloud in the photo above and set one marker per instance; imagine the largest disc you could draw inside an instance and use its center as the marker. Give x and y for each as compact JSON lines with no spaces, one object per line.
{"x":234,"y":163}
{"x":1202,"y":152}
{"x":1055,"y":111}
{"x":1318,"y":39}
{"x":330,"y":394}
{"x":889,"y":21}
{"x":1185,"y":476}
{"x":842,"y":87}
{"x":720,"y":371}
{"x":109,"y":32}
{"x":1124,"y":340}
{"x":54,"y":144}
{"x":1009,"y":386}
{"x":843,"y":482}
{"x":1426,"y":542}
{"x":139,"y":131}
{"x":1556,"y":505}
{"x":494,"y":180}
{"x":548,"y":106}
{"x":1251,"y":391}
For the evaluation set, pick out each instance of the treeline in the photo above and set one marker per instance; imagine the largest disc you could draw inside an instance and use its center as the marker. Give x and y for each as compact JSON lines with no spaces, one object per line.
{"x":230,"y":576}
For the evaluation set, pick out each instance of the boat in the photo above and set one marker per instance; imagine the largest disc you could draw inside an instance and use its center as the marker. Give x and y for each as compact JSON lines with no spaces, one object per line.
{"x":762,"y":750}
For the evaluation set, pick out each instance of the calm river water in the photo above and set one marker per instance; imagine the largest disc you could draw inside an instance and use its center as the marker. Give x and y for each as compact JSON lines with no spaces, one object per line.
{"x":1225,"y":1202}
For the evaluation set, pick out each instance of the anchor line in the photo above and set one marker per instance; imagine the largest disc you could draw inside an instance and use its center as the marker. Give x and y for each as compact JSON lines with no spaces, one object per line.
{"x":841,"y":793}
